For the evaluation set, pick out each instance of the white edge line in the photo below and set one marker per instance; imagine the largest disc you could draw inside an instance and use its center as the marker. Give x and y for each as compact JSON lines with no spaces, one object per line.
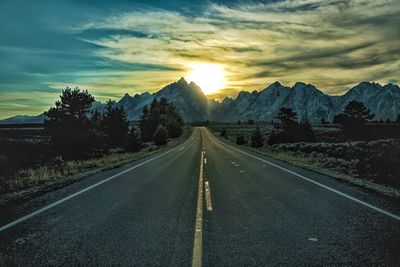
{"x":387,"y":213}
{"x":41,"y":210}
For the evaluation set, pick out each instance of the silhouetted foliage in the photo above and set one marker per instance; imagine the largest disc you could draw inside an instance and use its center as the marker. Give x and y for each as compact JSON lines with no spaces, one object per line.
{"x":286,"y":128}
{"x":115,"y":124}
{"x":160,"y":113}
{"x":144,"y":125}
{"x":251,"y":122}
{"x":240,"y":139}
{"x":340,"y":119}
{"x":239,"y":122}
{"x":68,"y":125}
{"x":223,"y":132}
{"x":96,"y":120}
{"x":305,"y":132}
{"x":257,"y":140}
{"x":354,"y":119}
{"x":160,"y":136}
{"x":323,"y":121}
{"x":398,"y":119}
{"x":133,"y":141}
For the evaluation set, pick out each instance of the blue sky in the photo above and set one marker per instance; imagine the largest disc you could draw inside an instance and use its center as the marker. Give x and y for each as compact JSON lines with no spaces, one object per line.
{"x":114,"y":47}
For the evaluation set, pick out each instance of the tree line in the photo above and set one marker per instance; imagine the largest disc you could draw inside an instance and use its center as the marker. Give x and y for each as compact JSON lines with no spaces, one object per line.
{"x":287,"y":128}
{"x":77,"y":132}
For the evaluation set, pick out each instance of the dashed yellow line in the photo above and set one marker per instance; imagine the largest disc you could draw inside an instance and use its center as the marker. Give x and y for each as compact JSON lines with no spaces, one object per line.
{"x":208,"y":196}
{"x":198,"y":233}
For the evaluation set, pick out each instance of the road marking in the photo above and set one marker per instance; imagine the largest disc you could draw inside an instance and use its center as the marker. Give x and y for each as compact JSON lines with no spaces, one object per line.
{"x":205,"y":161}
{"x":180,"y":149}
{"x":208,"y":196}
{"x":41,"y":210}
{"x":365,"y":204}
{"x":198,"y":231}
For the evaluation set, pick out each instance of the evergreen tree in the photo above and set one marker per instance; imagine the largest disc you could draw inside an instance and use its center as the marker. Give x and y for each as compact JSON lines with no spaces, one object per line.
{"x":144,"y":125}
{"x":115,"y":124}
{"x":133,"y":141}
{"x":96,"y":120}
{"x":354,"y":119}
{"x":161,"y":113}
{"x":305,"y":132}
{"x":257,"y":139}
{"x":357,"y":114}
{"x":160,"y":136}
{"x":286,"y":129}
{"x":68,"y":125}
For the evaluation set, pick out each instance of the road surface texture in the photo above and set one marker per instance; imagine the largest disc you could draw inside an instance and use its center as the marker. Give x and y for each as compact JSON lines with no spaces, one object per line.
{"x":203,"y":203}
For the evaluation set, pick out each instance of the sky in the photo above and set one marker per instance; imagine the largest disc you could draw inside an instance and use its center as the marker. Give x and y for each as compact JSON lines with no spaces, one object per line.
{"x":117,"y":47}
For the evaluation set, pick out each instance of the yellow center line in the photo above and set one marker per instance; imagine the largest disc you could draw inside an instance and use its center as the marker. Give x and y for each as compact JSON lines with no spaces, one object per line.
{"x":198,"y":233}
{"x":208,"y":196}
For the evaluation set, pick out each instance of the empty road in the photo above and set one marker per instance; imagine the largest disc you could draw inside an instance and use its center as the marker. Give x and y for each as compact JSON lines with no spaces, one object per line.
{"x":203,"y":203}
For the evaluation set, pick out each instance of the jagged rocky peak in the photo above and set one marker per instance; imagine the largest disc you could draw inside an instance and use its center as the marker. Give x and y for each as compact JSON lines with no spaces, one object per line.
{"x":305,"y":99}
{"x":243,"y":94}
{"x":304,"y":86}
{"x":182,"y":81}
{"x":367,"y":86}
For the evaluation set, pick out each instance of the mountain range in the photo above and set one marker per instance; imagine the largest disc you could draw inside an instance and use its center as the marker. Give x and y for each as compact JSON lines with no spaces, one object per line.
{"x":305,"y":99}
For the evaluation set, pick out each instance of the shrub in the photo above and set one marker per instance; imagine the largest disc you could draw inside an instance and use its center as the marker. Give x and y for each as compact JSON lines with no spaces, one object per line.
{"x":223,"y":132}
{"x":240,"y":140}
{"x":160,"y":136}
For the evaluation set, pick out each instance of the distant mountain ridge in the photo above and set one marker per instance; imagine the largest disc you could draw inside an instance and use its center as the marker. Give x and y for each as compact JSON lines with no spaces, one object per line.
{"x":305,"y":99}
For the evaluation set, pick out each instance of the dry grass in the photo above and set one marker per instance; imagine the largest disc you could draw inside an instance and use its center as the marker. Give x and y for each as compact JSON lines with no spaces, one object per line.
{"x":75,"y":170}
{"x":340,"y":160}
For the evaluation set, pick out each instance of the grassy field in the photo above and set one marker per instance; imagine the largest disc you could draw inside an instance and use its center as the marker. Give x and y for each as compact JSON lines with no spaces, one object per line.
{"x":374,"y":164}
{"x":35,"y":165}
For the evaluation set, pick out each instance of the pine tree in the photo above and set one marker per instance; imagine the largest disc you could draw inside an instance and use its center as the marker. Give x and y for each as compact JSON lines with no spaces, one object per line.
{"x":144,"y":125}
{"x":257,"y":139}
{"x":160,"y":136}
{"x":115,"y":124}
{"x":68,"y":125}
{"x":133,"y":141}
{"x":354,"y":119}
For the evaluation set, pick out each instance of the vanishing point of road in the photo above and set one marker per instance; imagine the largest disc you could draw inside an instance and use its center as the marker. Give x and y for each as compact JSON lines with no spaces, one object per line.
{"x":203,"y":203}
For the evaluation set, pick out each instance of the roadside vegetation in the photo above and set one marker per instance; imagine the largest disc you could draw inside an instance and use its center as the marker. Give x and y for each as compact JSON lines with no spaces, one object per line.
{"x":355,"y":148}
{"x":73,"y":142}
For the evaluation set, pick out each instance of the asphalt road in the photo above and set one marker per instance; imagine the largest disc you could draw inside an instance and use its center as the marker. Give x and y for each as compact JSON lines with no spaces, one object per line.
{"x":254,"y":212}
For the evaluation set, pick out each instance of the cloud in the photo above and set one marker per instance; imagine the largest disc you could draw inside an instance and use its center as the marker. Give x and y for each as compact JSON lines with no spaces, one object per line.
{"x":333,"y":44}
{"x":257,"y":43}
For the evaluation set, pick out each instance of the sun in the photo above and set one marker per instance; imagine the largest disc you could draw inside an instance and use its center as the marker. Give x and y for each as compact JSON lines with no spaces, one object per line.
{"x":210,"y":77}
